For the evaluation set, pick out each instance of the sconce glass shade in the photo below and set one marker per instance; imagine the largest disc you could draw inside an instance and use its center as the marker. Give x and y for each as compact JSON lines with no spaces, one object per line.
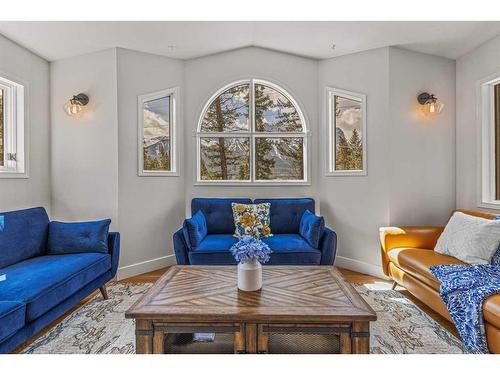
{"x":72,"y":107}
{"x":75,"y":104}
{"x":430,"y":105}
{"x":433,"y":107}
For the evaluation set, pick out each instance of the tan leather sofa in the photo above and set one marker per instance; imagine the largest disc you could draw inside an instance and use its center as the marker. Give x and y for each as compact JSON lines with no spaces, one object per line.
{"x":407,"y":255}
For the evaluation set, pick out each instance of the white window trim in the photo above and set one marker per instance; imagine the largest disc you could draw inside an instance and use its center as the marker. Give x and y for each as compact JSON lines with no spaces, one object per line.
{"x":486,"y":126}
{"x":15,"y":134}
{"x":174,"y":94}
{"x":330,"y":142}
{"x":252,"y":135}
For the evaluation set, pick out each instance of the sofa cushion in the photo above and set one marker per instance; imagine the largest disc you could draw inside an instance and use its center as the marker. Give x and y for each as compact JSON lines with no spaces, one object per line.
{"x":311,"y":228}
{"x":218,"y":213}
{"x":417,"y":262}
{"x":286,"y":249}
{"x":12,"y":316}
{"x":491,"y":310}
{"x":24,"y":235}
{"x":195,"y":229}
{"x":251,"y":220}
{"x":44,"y":282}
{"x":469,"y":238}
{"x":286,"y":213}
{"x":81,"y":237}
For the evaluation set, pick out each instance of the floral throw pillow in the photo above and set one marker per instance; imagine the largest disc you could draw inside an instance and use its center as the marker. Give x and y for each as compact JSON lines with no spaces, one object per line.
{"x":252,"y":220}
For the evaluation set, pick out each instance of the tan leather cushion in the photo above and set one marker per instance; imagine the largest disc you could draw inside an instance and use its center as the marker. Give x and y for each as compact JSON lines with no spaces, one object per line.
{"x":491,"y":310}
{"x":417,"y":262}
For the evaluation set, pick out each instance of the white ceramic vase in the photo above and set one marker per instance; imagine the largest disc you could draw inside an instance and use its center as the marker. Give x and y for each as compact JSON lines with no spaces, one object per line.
{"x":250,"y":275}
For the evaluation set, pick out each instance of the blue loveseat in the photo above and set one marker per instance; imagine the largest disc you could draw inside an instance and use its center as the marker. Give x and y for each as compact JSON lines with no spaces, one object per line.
{"x":287,"y":245}
{"x":37,"y":288}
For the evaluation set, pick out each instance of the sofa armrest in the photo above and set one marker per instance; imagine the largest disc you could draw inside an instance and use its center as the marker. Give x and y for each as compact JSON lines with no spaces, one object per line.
{"x":414,"y":237}
{"x":180,"y":247}
{"x":328,"y":246}
{"x":114,"y":250}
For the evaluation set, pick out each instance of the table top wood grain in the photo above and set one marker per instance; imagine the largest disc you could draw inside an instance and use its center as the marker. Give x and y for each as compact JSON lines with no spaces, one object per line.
{"x":302,"y":294}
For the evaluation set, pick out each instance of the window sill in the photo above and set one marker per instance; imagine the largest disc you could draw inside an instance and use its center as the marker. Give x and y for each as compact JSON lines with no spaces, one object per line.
{"x":13,"y":175}
{"x":270,"y":183}
{"x":490,"y":205}
{"x":346,"y":173}
{"x":159,"y":174}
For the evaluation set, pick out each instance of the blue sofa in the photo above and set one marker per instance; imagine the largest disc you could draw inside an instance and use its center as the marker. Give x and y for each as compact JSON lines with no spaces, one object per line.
{"x":36,"y":288}
{"x":287,"y":245}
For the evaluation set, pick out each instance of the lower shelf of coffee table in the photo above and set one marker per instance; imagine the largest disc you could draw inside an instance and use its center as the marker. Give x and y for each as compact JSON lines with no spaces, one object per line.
{"x":279,"y":343}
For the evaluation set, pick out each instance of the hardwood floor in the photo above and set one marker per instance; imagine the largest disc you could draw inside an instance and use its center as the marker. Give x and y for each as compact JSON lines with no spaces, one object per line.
{"x":351,"y":276}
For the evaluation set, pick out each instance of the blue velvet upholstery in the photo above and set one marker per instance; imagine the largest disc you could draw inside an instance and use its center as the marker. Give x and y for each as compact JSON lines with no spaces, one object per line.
{"x":311,"y":228}
{"x":11,"y":317}
{"x":36,"y":289}
{"x":286,"y":213}
{"x":51,"y":279}
{"x":287,"y":245}
{"x":70,"y":238}
{"x":24,"y":235}
{"x":286,"y":249}
{"x":36,"y":326}
{"x":218,"y":213}
{"x":195,"y":229}
{"x":328,"y":246}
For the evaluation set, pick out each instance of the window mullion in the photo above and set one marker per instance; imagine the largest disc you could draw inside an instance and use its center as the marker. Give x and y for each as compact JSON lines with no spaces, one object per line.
{"x":253,"y":167}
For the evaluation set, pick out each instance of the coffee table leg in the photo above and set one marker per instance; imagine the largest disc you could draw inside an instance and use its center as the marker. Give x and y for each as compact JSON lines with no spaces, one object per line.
{"x":262,"y":339}
{"x":251,"y":338}
{"x":143,"y":337}
{"x":158,"y":342}
{"x":360,"y":338}
{"x":239,"y":340}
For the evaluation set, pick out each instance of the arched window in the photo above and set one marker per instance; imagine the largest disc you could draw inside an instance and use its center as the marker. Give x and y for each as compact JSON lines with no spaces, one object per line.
{"x":252,"y":131}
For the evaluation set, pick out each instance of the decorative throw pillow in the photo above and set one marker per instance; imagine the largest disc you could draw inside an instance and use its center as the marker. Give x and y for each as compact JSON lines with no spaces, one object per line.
{"x":311,"y":228}
{"x":195,"y":229}
{"x":469,"y":238}
{"x":82,"y":237}
{"x":252,"y":220}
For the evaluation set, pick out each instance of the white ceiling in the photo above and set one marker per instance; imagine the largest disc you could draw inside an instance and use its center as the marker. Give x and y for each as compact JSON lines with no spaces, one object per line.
{"x":185,"y":40}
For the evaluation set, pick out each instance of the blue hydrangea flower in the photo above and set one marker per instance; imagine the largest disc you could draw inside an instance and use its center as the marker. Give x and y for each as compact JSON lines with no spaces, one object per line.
{"x":249,"y":248}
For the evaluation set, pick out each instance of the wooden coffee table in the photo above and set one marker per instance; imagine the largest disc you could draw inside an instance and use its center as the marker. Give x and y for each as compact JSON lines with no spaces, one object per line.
{"x":311,"y":304}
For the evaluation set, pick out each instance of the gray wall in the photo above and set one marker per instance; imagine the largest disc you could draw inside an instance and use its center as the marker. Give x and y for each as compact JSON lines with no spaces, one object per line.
{"x":150,"y":208}
{"x":21,"y":65}
{"x":357,"y":205}
{"x":84,"y":156}
{"x":411,"y":161}
{"x":471,"y":68}
{"x":422,"y":179}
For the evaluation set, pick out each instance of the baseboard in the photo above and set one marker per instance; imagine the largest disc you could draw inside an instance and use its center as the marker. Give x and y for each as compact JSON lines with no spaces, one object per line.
{"x":146,"y":266}
{"x":359,"y":266}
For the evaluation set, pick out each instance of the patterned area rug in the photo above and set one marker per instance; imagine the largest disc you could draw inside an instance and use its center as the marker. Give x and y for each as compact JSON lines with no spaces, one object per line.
{"x":100,"y":326}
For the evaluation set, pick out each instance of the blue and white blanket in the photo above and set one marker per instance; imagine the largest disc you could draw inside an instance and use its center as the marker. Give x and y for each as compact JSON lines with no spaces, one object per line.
{"x":463,"y":289}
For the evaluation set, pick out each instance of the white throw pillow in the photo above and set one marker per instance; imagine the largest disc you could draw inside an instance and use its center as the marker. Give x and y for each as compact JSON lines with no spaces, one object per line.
{"x":469,"y":238}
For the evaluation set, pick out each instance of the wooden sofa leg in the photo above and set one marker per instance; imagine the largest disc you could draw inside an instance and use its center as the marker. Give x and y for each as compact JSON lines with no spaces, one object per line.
{"x":104,"y":292}
{"x":394,"y":285}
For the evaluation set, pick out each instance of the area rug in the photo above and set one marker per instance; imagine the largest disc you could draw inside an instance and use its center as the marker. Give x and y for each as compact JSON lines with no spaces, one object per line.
{"x":100,"y":326}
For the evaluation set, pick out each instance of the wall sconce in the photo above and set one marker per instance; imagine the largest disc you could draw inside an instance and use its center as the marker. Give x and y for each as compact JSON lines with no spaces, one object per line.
{"x":75,"y":104}
{"x":430,"y":105}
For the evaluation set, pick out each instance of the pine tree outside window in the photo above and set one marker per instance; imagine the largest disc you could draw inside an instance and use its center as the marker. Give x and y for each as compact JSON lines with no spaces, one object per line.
{"x":346,"y":133}
{"x":252,"y":131}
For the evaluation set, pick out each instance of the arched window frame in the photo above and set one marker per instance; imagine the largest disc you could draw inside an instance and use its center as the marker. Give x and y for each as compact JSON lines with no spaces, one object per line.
{"x":252,"y":134}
